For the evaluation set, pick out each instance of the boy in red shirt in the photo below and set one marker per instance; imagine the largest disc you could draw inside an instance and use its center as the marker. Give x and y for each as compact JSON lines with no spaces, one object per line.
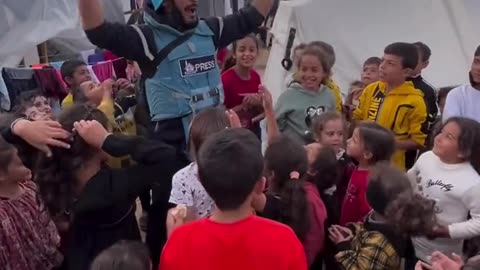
{"x":230,"y":166}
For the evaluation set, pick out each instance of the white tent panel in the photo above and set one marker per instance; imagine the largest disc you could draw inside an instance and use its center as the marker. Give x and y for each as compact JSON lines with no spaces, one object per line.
{"x":361,"y":29}
{"x":25,"y":23}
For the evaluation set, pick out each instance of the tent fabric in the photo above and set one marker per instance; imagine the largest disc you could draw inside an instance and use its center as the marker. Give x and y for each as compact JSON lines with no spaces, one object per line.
{"x":361,"y":29}
{"x":21,"y":29}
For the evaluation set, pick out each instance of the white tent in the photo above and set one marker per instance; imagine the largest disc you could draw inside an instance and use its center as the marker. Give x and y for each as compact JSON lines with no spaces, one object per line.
{"x":25,"y":23}
{"x":361,"y":29}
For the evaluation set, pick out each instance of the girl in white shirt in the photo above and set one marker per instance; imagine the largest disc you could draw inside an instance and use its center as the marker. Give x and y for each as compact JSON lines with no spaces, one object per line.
{"x":449,"y":175}
{"x":186,"y":187}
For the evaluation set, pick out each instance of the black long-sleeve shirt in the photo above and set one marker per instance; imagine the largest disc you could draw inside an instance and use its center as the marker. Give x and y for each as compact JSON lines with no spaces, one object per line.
{"x":104,"y":212}
{"x":429,"y":96}
{"x":124,"y":40}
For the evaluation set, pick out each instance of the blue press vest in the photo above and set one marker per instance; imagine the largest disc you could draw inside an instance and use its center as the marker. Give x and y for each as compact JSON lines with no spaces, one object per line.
{"x":188,"y":80}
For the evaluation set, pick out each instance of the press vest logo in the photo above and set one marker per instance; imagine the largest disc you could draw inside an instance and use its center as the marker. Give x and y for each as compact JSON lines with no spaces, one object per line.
{"x":199,"y":65}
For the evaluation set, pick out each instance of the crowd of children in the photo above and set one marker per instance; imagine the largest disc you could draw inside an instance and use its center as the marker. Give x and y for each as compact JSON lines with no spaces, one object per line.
{"x":375,"y":182}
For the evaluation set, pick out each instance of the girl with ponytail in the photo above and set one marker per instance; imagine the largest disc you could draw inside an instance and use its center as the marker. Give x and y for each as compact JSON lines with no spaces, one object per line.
{"x":290,"y":199}
{"x":397,"y":213}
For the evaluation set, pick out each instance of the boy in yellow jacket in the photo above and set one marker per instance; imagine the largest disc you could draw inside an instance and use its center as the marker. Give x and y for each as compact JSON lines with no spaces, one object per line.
{"x":394,"y":103}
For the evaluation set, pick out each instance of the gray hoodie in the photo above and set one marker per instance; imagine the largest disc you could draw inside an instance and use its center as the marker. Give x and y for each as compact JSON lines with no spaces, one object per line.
{"x":296,"y":108}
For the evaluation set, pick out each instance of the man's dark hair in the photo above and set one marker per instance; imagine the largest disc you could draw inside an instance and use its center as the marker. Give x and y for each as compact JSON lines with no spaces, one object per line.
{"x":407,"y":51}
{"x":230,"y":163}
{"x":69,"y":67}
{"x":373,"y":61}
{"x":477,"y":52}
{"x":423,"y":50}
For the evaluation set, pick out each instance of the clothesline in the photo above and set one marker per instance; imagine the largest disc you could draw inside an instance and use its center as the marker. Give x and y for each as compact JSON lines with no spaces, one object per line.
{"x":17,"y":82}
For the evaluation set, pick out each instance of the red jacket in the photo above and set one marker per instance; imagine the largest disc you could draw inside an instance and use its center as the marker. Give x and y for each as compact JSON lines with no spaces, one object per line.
{"x":355,"y":206}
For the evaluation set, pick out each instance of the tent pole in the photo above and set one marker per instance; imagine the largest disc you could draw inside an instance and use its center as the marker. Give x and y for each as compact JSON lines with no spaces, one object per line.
{"x":43,"y":52}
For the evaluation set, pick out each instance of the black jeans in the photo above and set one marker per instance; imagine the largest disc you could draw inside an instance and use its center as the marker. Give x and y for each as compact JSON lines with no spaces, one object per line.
{"x":169,"y":131}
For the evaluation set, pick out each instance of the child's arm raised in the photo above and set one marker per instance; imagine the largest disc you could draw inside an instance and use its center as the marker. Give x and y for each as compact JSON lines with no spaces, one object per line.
{"x":39,"y":134}
{"x":154,"y":160}
{"x":272,"y":127}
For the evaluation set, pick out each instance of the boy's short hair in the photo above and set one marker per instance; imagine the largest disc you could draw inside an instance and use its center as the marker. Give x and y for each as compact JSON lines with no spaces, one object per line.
{"x":69,"y":67}
{"x":373,"y":61}
{"x":327,"y":49}
{"x":477,"y":52}
{"x":423,"y":50}
{"x":443,"y":92}
{"x":230,"y":163}
{"x":407,"y":51}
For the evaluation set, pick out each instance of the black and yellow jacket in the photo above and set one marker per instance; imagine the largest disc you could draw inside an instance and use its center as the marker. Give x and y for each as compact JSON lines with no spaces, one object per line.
{"x":402,"y":110}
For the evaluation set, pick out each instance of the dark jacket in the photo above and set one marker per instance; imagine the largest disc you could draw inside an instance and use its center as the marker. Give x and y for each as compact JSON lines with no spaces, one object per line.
{"x":104,"y":212}
{"x":124,"y":40}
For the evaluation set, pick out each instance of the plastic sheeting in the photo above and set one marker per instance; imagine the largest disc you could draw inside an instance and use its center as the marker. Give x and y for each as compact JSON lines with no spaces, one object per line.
{"x":25,"y":23}
{"x":361,"y":29}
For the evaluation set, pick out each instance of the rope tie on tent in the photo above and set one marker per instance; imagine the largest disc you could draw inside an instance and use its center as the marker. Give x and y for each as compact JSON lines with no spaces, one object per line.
{"x":287,"y":61}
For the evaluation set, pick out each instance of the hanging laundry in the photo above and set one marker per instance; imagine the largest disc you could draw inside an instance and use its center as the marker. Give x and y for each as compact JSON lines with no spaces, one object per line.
{"x":104,"y":71}
{"x":86,"y":54}
{"x":4,"y":97}
{"x":19,"y":82}
{"x":49,"y":83}
{"x":92,"y":74}
{"x":120,"y":66}
{"x":109,"y":56}
{"x":39,"y":66}
{"x":95,"y":58}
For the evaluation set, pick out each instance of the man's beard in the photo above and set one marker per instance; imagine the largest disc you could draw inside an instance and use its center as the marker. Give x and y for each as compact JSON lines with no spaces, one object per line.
{"x":175,"y":19}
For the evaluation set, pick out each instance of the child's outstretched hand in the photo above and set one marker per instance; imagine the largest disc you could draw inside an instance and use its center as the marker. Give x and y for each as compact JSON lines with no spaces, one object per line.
{"x":41,"y":134}
{"x":339,"y":234}
{"x":176,"y":218}
{"x":266,"y":98}
{"x":441,"y":261}
{"x":92,"y":132}
{"x":233,"y":119}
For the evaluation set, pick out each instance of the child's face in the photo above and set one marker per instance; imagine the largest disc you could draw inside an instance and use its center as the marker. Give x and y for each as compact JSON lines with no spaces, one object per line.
{"x":246,"y":52}
{"x":475,"y":70}
{"x":392,"y":71}
{"x":355,"y":147}
{"x":40,"y":109}
{"x":445,"y":145}
{"x":94,"y":92}
{"x":332,"y":134}
{"x":80,"y":76}
{"x":16,"y":172}
{"x":370,"y":74}
{"x":310,"y":72}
